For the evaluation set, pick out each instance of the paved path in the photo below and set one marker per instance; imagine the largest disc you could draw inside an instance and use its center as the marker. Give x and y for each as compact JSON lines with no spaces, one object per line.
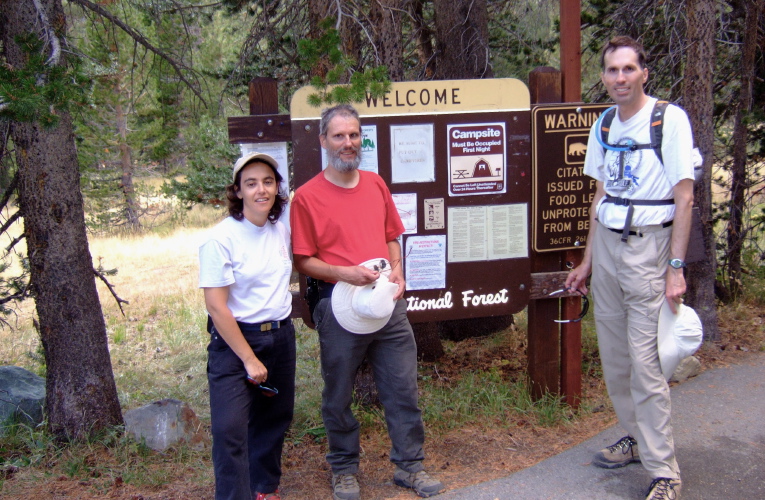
{"x":719,"y":421}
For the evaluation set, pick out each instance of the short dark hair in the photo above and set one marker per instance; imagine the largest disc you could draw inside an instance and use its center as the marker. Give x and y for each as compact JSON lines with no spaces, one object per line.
{"x":236,"y":204}
{"x":618,"y":42}
{"x":339,"y":110}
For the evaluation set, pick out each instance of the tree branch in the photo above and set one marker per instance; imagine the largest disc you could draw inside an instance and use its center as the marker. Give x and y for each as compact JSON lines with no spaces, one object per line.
{"x":55,"y":53}
{"x":20,"y":295}
{"x":9,"y":191}
{"x":13,"y":243}
{"x":141,"y":40}
{"x":13,"y":218}
{"x":111,"y":290}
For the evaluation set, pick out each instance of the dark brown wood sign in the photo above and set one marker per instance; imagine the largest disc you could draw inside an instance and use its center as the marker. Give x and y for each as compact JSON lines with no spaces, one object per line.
{"x":562,"y":194}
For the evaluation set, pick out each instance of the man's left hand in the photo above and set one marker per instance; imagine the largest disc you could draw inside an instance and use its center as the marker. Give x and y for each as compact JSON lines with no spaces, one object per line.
{"x":397,"y":277}
{"x":675,"y":288}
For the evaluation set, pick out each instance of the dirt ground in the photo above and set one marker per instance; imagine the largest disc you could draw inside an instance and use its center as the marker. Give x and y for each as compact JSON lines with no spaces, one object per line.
{"x":461,"y":457}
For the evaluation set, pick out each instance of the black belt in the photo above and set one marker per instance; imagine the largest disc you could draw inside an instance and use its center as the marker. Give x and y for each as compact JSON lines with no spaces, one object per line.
{"x":635,"y":233}
{"x":263,"y":327}
{"x":268,"y":325}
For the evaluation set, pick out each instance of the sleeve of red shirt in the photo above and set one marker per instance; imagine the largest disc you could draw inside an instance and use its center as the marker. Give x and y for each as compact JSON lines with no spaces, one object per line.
{"x":303,"y":236}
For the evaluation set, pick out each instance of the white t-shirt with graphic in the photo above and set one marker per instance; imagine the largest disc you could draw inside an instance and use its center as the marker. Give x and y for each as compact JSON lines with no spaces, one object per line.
{"x":254,"y":262}
{"x":638,"y":174}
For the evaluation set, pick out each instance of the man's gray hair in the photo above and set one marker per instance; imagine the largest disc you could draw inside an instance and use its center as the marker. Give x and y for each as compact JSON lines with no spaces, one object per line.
{"x":339,"y":110}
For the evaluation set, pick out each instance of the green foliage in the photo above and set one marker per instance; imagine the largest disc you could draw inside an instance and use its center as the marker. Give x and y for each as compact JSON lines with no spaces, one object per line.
{"x":324,"y":52}
{"x":482,"y":396}
{"x":659,"y":26}
{"x":210,"y":159}
{"x":373,"y":82}
{"x":25,"y":446}
{"x":522,"y":36}
{"x":326,"y":47}
{"x":39,"y":91}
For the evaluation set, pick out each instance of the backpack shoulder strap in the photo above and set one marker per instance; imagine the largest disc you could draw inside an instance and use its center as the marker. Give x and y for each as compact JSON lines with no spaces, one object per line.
{"x":657,"y":127}
{"x":605,"y":124}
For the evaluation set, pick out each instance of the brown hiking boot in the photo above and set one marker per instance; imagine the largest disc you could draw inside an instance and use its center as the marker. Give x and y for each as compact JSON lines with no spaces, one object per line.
{"x":664,"y":488}
{"x":619,"y":454}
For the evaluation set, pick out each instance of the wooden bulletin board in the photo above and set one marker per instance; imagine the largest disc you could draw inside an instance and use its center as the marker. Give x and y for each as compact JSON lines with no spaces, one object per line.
{"x":456,"y":156}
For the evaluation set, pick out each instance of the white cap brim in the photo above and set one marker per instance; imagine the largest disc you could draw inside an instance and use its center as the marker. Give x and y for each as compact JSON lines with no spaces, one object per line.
{"x":244,"y":160}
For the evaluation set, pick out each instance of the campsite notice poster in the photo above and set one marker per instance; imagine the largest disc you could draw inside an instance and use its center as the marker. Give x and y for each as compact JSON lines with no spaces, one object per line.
{"x":477,"y":159}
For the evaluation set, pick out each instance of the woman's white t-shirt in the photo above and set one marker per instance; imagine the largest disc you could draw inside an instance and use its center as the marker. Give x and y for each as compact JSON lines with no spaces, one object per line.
{"x":254,"y":262}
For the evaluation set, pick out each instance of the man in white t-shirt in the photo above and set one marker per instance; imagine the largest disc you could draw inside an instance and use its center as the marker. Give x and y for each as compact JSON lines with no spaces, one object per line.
{"x":639,"y":227}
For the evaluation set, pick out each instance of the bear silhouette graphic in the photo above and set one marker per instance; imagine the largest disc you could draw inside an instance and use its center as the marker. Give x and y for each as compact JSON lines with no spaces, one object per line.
{"x":577,"y":149}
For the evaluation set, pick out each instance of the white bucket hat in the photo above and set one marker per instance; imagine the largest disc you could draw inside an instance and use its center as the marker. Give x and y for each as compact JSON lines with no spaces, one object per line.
{"x":365,"y":309}
{"x":680,"y":336}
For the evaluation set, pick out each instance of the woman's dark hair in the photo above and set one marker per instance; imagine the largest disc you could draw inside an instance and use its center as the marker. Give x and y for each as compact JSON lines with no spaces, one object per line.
{"x":236,"y":204}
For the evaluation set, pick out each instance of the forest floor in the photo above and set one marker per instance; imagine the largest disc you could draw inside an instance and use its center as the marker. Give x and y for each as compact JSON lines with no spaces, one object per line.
{"x":458,"y":457}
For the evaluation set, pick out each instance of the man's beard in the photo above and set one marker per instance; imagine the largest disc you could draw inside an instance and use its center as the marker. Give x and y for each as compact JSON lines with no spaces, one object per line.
{"x":333,"y":158}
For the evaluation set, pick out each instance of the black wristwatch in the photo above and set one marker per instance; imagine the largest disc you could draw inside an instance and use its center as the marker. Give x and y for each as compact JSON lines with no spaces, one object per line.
{"x":676,"y":263}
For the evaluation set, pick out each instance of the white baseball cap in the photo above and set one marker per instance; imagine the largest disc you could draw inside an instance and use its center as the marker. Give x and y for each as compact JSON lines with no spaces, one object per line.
{"x":368,"y":308}
{"x":244,"y":160}
{"x":680,"y":335}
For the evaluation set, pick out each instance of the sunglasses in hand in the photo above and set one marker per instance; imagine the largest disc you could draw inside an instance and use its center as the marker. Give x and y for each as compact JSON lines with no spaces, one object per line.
{"x":585,"y":305}
{"x":265,"y":389}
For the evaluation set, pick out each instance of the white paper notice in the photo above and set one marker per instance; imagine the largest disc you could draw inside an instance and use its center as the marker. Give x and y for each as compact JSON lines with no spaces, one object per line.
{"x":489,"y":232}
{"x":369,"y":161}
{"x":434,"y":213}
{"x":425,"y":262}
{"x":406,"y":204}
{"x":412,"y":153}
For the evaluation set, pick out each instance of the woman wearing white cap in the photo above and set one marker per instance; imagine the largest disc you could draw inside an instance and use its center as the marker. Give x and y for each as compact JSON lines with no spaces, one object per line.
{"x":245,"y":269}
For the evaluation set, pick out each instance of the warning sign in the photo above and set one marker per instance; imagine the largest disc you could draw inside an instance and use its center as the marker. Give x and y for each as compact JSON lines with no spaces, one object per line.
{"x":562,"y":194}
{"x":476,"y":159}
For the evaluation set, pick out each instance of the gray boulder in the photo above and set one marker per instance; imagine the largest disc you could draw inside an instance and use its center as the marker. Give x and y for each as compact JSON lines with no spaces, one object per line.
{"x":22,"y":396}
{"x":688,"y":367}
{"x":165,"y":423}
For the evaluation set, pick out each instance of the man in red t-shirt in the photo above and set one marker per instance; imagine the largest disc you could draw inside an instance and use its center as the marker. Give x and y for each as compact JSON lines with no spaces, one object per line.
{"x":340,"y":218}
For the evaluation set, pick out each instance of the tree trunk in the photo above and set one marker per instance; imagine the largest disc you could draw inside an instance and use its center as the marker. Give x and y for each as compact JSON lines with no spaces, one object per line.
{"x":81,"y":397}
{"x":424,"y":41}
{"x":126,"y":166}
{"x":739,"y":178}
{"x":385,"y":16}
{"x":318,"y":10}
{"x":698,"y":101}
{"x":462,"y":40}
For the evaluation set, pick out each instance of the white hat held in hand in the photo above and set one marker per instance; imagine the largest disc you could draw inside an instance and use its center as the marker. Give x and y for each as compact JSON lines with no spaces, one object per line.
{"x":365,"y":309}
{"x":680,"y":336}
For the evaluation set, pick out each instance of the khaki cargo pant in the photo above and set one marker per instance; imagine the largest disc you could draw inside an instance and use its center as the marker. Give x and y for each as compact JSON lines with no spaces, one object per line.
{"x":628,"y":287}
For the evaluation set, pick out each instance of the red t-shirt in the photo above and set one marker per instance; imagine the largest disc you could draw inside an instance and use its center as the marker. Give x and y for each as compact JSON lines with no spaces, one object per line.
{"x":344,"y":227}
